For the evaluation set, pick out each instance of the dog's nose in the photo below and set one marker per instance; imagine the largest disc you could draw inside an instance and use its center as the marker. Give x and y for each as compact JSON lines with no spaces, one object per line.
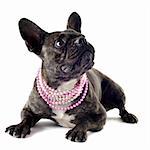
{"x":80,"y":40}
{"x":66,"y":68}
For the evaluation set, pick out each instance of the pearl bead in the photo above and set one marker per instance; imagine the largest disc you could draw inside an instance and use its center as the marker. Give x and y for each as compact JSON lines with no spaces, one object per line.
{"x":79,"y":102}
{"x":60,"y":108}
{"x":59,"y":102}
{"x":71,"y":107}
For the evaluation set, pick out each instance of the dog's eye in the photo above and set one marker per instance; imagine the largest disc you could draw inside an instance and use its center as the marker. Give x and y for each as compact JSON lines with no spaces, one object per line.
{"x":59,"y":43}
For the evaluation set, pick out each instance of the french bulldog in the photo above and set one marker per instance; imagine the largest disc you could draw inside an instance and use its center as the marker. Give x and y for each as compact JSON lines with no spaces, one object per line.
{"x":67,"y":64}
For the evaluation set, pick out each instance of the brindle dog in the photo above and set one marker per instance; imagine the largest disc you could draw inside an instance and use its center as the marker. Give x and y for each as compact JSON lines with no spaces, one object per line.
{"x":66,"y":56}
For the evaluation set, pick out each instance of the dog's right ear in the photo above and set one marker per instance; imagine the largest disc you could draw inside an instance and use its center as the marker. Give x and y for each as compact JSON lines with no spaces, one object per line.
{"x":32,"y":34}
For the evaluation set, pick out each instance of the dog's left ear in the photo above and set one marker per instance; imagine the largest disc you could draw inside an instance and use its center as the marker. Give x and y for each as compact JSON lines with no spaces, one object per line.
{"x":32,"y":34}
{"x":74,"y":22}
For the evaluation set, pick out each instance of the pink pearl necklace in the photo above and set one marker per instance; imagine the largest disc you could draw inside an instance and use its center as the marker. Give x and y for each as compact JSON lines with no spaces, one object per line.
{"x":61,"y":100}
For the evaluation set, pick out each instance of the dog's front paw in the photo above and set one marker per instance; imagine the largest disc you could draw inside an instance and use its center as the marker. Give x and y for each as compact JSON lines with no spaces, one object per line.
{"x":129,"y":118}
{"x":76,"y":135}
{"x":19,"y":131}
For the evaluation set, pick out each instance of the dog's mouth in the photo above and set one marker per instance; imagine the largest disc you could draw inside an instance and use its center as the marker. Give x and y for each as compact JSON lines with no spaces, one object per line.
{"x":76,"y":69}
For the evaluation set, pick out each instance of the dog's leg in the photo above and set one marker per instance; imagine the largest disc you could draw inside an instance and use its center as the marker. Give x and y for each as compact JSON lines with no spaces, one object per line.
{"x":127,"y":117}
{"x":87,"y":122}
{"x":113,"y":97}
{"x":29,"y":119}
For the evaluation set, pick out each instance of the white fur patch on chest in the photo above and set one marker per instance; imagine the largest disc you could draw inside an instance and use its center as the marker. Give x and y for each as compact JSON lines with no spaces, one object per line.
{"x":63,"y":119}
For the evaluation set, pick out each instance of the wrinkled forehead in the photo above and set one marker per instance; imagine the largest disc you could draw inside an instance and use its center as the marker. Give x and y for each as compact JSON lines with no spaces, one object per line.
{"x":71,"y":32}
{"x":66,"y":34}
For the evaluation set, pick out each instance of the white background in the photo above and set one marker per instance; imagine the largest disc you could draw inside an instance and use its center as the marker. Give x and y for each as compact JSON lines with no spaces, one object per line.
{"x":120,"y":32}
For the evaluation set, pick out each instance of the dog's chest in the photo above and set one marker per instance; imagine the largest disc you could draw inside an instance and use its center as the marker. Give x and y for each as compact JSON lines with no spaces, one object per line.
{"x":63,"y":119}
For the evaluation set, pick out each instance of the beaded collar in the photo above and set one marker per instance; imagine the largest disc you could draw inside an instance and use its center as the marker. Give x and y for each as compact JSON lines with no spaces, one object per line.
{"x":62,"y":100}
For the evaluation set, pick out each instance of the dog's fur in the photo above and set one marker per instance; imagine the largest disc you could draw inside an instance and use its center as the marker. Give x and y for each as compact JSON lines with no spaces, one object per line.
{"x":65,"y":57}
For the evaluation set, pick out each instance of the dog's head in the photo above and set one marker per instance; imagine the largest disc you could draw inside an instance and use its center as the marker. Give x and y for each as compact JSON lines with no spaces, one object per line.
{"x":65,"y":54}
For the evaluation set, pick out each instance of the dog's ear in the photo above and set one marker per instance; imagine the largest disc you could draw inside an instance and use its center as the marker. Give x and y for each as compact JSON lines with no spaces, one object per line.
{"x":32,"y":34}
{"x":74,"y":22}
